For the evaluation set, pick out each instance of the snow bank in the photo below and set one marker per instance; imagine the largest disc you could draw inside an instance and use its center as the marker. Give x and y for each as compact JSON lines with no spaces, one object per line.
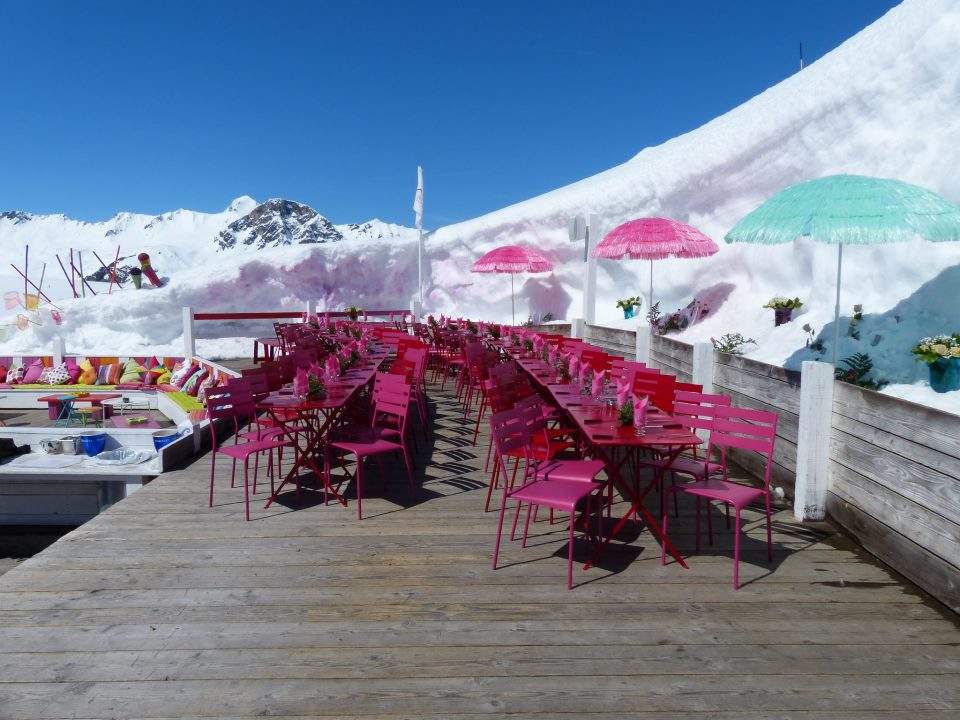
{"x":885,"y":103}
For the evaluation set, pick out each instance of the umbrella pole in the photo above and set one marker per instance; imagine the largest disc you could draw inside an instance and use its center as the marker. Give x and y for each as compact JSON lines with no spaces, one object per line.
{"x":513,"y":314}
{"x":650,"y":306}
{"x":836,"y":309}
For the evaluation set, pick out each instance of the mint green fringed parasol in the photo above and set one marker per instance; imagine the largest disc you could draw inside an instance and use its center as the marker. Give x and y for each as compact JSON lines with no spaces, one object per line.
{"x":850,"y":210}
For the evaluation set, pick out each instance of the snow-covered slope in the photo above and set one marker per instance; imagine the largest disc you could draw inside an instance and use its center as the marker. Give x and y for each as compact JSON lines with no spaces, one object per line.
{"x":885,"y":103}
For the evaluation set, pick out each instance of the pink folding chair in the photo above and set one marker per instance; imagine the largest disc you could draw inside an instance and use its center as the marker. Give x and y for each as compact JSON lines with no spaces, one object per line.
{"x":743,"y":429}
{"x":237,"y":406}
{"x":692,"y":411}
{"x":510,"y":435}
{"x":390,"y":412}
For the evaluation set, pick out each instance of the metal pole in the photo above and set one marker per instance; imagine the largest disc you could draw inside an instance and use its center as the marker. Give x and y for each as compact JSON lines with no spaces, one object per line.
{"x":513,"y":314}
{"x":650,"y":307}
{"x":420,"y":267}
{"x":836,"y":309}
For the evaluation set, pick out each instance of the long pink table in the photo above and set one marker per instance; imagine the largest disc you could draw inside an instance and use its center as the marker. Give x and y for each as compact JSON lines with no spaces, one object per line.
{"x":598,"y":424}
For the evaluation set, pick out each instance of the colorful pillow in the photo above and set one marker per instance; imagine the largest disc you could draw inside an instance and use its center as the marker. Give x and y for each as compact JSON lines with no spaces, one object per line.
{"x":132,"y":372}
{"x":209,"y":382}
{"x":88,"y":373}
{"x":33,"y":372}
{"x":151,"y":376}
{"x":73,"y":371}
{"x":56,"y":375}
{"x":104,"y":372}
{"x":15,"y":375}
{"x":180,"y":375}
{"x":192,"y":386}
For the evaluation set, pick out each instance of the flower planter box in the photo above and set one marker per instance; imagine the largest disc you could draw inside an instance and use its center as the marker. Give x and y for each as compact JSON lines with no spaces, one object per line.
{"x":629,"y":312}
{"x":945,"y":375}
{"x":781,"y":316}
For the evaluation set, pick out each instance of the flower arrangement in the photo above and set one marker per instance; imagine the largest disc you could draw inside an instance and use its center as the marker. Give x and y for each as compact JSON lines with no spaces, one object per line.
{"x":308,"y":384}
{"x":931,"y":349}
{"x":783,"y":308}
{"x":628,"y":306}
{"x":353,"y":312}
{"x":316,"y":389}
{"x":784,"y":303}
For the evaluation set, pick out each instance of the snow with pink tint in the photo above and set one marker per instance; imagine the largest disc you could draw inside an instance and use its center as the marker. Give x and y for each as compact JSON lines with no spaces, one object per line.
{"x":885,"y":103}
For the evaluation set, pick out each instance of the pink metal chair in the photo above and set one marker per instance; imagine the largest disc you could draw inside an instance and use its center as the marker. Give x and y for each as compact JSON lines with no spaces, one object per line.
{"x":510,"y":435}
{"x":692,"y":411}
{"x":237,"y":406}
{"x":390,"y":413}
{"x":418,"y":358}
{"x":743,"y":429}
{"x":545,"y":444}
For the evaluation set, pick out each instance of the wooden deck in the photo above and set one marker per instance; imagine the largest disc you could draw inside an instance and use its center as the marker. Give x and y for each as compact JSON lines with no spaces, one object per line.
{"x":163,"y":608}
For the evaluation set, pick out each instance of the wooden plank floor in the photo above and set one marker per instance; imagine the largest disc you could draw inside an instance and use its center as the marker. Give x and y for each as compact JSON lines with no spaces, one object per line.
{"x":163,"y":608}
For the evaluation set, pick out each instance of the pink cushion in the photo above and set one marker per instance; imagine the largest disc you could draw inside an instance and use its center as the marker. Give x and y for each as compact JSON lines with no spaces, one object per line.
{"x":73,"y":371}
{"x":33,"y":373}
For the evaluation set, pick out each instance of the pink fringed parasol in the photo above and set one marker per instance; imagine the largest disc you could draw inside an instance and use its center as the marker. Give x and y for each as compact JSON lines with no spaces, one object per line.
{"x":652,"y":239}
{"x":512,"y":259}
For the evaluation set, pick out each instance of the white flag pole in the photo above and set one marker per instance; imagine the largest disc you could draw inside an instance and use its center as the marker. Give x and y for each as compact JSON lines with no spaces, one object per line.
{"x":418,"y":209}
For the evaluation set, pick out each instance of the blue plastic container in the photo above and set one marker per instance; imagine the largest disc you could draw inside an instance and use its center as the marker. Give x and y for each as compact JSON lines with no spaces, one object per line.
{"x":93,"y":443}
{"x":162,"y":438}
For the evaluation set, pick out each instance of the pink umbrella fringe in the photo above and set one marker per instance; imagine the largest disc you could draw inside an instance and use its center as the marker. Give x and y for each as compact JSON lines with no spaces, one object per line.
{"x":512,"y":259}
{"x":654,"y":239}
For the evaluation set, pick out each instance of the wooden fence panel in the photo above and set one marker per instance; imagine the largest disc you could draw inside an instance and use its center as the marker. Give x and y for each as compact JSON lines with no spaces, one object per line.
{"x":895,"y":485}
{"x":613,"y":340}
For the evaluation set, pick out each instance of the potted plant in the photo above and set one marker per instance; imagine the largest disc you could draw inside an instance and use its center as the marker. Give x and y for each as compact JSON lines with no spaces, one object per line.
{"x":625,"y":414}
{"x":941,"y":353}
{"x":316,"y":389}
{"x":629,"y":306}
{"x":783,"y":309}
{"x":353,"y":312}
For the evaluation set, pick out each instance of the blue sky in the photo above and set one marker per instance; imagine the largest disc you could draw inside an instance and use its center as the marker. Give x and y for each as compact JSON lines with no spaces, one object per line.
{"x":148,"y":107}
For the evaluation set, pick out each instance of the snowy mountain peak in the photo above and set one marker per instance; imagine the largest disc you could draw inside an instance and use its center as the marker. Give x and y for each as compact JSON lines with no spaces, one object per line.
{"x":377,"y":230}
{"x":16,"y":216}
{"x":242,"y":205}
{"x":277,"y":223}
